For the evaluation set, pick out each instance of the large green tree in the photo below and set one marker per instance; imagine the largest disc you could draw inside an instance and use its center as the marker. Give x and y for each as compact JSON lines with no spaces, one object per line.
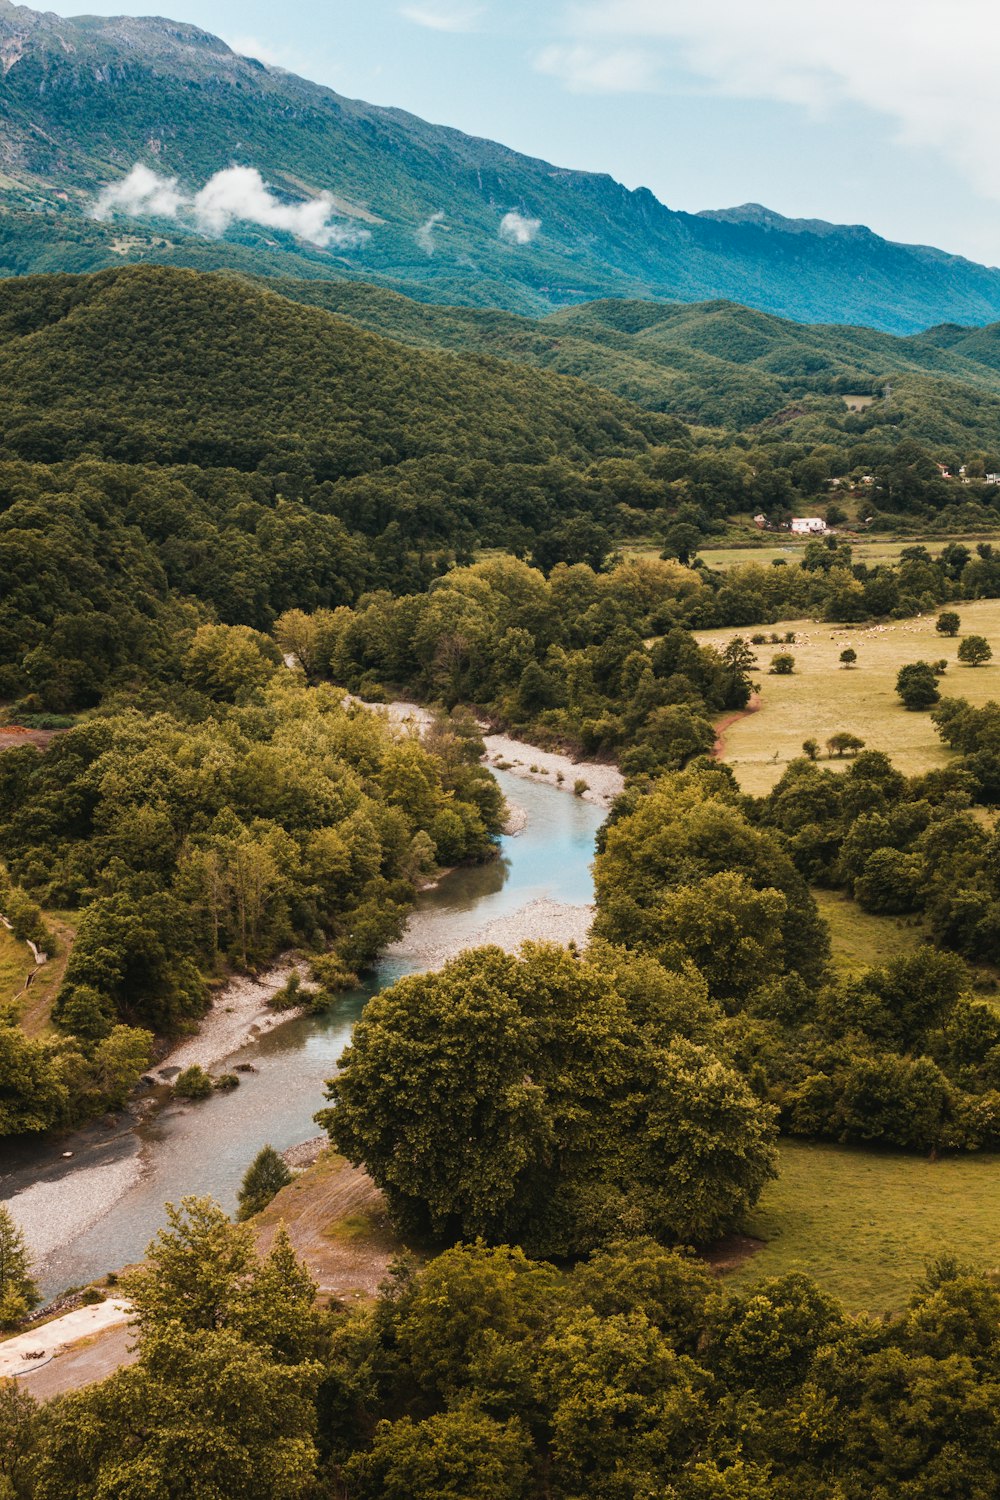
{"x":519,"y":1098}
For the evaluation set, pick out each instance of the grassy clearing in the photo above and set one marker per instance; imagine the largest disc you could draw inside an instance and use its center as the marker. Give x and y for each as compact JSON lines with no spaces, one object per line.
{"x":866,"y":551}
{"x":860,"y":941}
{"x":821,"y":697}
{"x":35,"y":1004}
{"x":16,"y":963}
{"x":865,"y":1224}
{"x":747,"y":545}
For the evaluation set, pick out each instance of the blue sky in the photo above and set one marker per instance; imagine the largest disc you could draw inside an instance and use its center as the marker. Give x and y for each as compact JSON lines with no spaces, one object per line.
{"x":882,"y":112}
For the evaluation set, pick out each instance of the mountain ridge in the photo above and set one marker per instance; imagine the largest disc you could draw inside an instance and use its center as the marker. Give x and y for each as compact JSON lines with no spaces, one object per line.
{"x":83,"y":100}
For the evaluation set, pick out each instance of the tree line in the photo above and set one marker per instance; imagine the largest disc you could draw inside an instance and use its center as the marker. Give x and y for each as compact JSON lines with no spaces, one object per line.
{"x":493,"y":1376}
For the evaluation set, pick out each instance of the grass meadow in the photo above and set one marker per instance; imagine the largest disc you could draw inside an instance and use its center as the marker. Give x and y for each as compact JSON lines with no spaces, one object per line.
{"x":821,"y":697}
{"x":864,"y":1224}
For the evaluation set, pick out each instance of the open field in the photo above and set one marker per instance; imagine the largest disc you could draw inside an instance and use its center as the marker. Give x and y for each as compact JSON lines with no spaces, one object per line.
{"x":766,"y":548}
{"x":821,"y":697}
{"x":858,"y":939}
{"x":865,"y":1224}
{"x":870,"y":551}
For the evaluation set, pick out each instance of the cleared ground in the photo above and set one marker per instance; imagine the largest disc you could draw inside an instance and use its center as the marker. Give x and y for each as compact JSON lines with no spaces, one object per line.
{"x":337,"y":1220}
{"x":866,"y":1224}
{"x":821,"y":697}
{"x":859,"y":940}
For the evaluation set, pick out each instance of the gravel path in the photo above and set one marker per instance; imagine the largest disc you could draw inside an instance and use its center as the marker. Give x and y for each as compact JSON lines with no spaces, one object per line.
{"x":29,"y":1351}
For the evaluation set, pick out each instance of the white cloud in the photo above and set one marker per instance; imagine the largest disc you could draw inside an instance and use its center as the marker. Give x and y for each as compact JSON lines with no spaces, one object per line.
{"x":518,"y":230}
{"x":594,"y":70}
{"x":252,"y":46}
{"x":424,"y":236}
{"x":444,"y":17}
{"x":929,"y":67}
{"x":142,"y":194}
{"x":237,"y":193}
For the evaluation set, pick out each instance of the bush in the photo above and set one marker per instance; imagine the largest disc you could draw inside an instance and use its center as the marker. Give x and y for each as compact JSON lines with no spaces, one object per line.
{"x":580,"y":786}
{"x":783,"y":665}
{"x":264,"y":1178}
{"x":289,"y":997}
{"x":193,"y":1083}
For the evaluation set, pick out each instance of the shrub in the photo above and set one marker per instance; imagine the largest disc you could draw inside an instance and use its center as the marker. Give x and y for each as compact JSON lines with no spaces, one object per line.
{"x":783,"y":665}
{"x":193,"y":1083}
{"x":264,"y":1178}
{"x":580,"y":786}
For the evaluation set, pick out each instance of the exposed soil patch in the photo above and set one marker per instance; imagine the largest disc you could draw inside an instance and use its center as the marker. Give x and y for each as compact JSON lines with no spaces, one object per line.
{"x":338,"y":1222}
{"x":732,"y":1252}
{"x":12,"y":736}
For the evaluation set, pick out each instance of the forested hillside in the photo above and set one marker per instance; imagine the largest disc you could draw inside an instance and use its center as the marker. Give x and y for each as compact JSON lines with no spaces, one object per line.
{"x":178,"y":448}
{"x":713,"y":362}
{"x":82,"y":100}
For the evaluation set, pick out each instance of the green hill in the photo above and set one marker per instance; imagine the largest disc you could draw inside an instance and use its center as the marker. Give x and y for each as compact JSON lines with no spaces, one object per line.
{"x":82,"y":100}
{"x":716,"y":363}
{"x":155,"y":365}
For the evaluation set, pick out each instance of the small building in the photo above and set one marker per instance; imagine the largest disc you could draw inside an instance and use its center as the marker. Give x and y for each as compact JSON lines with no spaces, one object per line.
{"x":760,"y":522}
{"x":993,"y":479}
{"x":808,"y":526}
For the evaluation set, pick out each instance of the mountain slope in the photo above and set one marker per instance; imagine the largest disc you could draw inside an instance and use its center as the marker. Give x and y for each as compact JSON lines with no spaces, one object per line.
{"x":82,"y":100}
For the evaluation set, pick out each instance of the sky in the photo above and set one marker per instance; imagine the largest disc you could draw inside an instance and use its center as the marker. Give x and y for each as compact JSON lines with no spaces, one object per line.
{"x":877,"y":112}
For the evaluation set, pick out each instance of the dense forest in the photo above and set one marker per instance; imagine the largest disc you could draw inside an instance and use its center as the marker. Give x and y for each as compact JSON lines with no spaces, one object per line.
{"x":713,"y":362}
{"x":252,"y":815}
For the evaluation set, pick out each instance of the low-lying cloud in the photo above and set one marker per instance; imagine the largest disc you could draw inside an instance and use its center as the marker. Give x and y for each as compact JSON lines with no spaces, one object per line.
{"x":424,"y":236}
{"x":237,"y":194}
{"x":518,"y":230}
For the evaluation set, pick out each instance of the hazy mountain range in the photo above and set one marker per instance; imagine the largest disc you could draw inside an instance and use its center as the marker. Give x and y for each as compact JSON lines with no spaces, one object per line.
{"x":416,"y":207}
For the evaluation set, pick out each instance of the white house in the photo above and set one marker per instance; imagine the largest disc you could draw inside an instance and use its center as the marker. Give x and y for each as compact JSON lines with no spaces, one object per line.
{"x":808,"y":526}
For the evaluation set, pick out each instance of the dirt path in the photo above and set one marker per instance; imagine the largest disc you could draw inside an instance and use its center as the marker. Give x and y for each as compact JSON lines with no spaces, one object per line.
{"x":92,"y":1359}
{"x":12,"y":736}
{"x":719,"y":748}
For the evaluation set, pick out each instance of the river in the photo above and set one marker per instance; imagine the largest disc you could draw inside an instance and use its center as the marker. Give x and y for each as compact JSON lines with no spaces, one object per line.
{"x":98,"y":1210}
